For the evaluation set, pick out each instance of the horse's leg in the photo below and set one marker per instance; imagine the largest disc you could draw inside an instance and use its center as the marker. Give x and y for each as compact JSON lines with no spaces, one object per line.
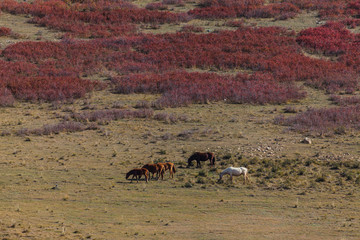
{"x":247,"y":178}
{"x":231,"y":178}
{"x":157,"y":177}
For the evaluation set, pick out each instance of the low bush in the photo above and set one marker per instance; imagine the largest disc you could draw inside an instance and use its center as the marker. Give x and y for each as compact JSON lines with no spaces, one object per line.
{"x":323,"y":121}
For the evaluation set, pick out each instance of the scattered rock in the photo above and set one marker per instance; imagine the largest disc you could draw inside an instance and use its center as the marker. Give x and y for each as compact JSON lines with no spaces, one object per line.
{"x":306,"y":141}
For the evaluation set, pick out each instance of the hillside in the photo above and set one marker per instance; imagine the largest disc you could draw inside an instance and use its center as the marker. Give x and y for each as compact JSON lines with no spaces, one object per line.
{"x":92,"y":89}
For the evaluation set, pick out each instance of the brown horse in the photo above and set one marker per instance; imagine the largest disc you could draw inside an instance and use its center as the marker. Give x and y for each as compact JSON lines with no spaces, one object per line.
{"x":171,"y":167}
{"x":161,"y":170}
{"x":155,"y":168}
{"x":199,"y":156}
{"x":138,"y":172}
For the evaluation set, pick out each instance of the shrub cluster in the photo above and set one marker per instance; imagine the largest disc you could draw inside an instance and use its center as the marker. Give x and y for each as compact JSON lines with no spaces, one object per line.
{"x":331,"y":39}
{"x":273,"y":52}
{"x":107,"y":115}
{"x":90,"y":19}
{"x":53,"y":71}
{"x":334,"y":9}
{"x":345,"y":101}
{"x":221,"y":9}
{"x":27,"y":81}
{"x":48,"y":129}
{"x":4,"y":31}
{"x":192,"y":28}
{"x":183,"y":88}
{"x":324,"y":121}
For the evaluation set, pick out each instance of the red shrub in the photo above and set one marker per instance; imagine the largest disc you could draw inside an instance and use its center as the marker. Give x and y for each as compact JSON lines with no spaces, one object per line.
{"x":182,"y":88}
{"x":156,"y":6}
{"x":91,"y":19}
{"x":220,"y":9}
{"x":332,"y":38}
{"x":4,"y":31}
{"x":324,"y":121}
{"x":345,"y":101}
{"x":6,"y":97}
{"x":49,"y":88}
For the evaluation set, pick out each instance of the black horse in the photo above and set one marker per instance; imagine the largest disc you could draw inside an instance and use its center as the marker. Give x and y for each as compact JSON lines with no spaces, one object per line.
{"x":199,"y":156}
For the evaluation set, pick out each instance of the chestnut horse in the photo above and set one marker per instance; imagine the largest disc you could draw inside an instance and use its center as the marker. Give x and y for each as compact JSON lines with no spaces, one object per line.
{"x":199,"y":156}
{"x":155,"y":168}
{"x":169,"y":166}
{"x":138,"y":172}
{"x":161,"y":170}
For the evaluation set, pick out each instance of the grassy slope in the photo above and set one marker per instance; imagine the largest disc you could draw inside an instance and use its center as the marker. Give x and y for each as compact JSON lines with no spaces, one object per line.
{"x":95,"y":201}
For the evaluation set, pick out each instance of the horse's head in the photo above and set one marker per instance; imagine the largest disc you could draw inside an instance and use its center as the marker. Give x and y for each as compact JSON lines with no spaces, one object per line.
{"x":191,"y":158}
{"x":211,"y":157}
{"x":128,"y":175}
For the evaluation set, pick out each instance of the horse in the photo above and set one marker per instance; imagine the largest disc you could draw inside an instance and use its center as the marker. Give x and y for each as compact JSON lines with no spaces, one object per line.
{"x":232,"y":171}
{"x":199,"y":156}
{"x":169,"y":166}
{"x":161,"y":171}
{"x":154,"y":169}
{"x":138,"y":172}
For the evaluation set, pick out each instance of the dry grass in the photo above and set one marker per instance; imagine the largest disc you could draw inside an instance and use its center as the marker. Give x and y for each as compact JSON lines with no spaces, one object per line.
{"x":24,"y":31}
{"x":94,"y":200}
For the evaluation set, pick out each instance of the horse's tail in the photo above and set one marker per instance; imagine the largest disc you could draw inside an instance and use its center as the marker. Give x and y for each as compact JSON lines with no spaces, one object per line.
{"x":174,"y":170}
{"x":214,"y":159}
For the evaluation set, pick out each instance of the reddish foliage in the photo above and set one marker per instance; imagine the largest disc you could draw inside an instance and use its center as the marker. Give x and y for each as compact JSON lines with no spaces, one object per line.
{"x":334,"y":39}
{"x":107,"y":115}
{"x":192,"y":28}
{"x":331,"y":38}
{"x":173,"y":2}
{"x":26,"y":81}
{"x":273,"y":54}
{"x":182,"y":88}
{"x":324,"y":121}
{"x":234,"y":23}
{"x":90,"y":19}
{"x":329,"y":9}
{"x":345,"y":101}
{"x":4,"y":31}
{"x":6,"y":97}
{"x":156,"y":6}
{"x":213,"y":9}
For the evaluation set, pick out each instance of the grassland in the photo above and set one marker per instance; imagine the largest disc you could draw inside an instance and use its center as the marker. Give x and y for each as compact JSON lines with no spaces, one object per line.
{"x":297,"y":191}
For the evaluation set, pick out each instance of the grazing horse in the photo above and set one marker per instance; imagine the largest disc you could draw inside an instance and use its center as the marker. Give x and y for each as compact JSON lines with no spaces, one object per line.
{"x":199,"y":156}
{"x":232,"y":171}
{"x":161,"y":170}
{"x":169,"y":166}
{"x":138,"y":172}
{"x":154,"y":168}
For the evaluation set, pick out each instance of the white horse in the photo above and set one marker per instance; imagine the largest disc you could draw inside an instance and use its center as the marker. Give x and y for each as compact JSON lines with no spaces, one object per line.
{"x":232,"y":171}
